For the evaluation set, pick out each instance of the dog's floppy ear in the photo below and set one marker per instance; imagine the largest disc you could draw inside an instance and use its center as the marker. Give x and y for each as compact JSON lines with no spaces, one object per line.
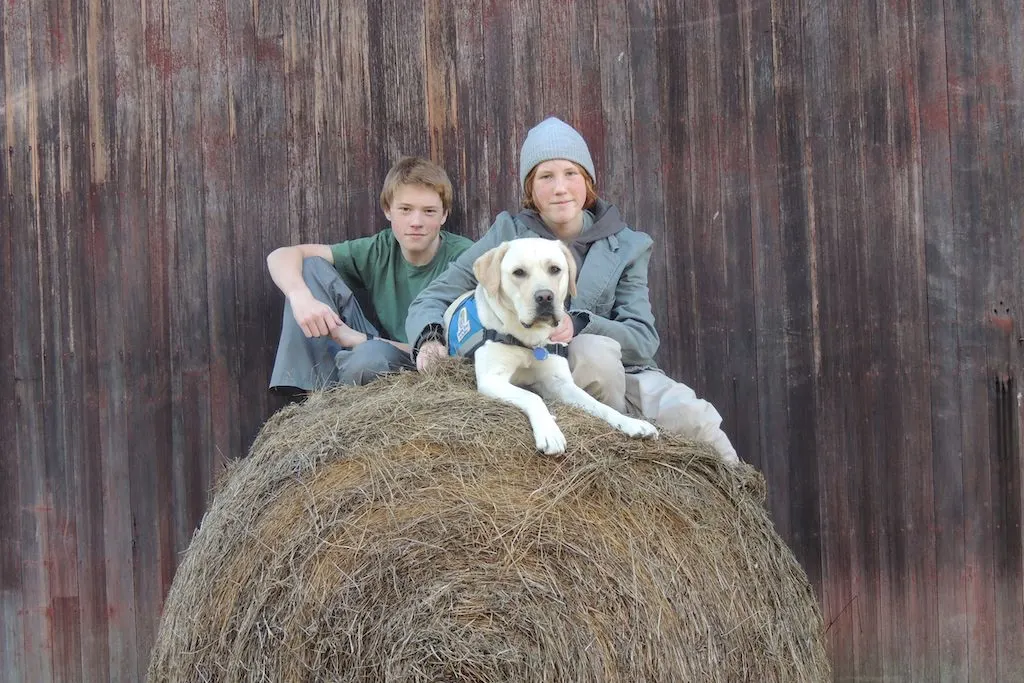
{"x":571,"y":261}
{"x":487,"y":268}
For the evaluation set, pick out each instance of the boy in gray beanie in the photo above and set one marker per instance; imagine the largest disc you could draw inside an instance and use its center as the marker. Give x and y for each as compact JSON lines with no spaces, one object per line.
{"x":553,"y":138}
{"x":610,"y":327}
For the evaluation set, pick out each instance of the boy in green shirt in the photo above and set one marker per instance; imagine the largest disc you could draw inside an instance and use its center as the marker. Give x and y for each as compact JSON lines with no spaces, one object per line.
{"x":326,"y":337}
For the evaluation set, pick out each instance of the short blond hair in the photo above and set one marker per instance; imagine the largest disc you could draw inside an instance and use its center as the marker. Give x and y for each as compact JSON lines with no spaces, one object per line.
{"x":417,"y":171}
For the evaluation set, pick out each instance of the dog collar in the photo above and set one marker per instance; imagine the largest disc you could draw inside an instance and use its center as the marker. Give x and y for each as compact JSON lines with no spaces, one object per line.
{"x":539,"y":352}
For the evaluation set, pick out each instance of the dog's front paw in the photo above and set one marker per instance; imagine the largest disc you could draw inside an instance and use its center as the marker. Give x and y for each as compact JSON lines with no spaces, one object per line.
{"x":637,"y":428}
{"x":549,"y":438}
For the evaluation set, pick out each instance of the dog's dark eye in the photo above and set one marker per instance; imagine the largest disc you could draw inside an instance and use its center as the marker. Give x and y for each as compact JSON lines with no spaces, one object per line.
{"x":519,"y":272}
{"x":554,"y":270}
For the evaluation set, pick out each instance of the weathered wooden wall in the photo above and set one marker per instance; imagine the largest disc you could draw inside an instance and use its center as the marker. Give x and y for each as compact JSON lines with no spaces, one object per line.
{"x":836,"y":190}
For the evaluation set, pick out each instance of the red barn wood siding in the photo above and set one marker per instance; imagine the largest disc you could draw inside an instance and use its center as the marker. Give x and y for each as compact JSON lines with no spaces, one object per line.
{"x":834,"y":190}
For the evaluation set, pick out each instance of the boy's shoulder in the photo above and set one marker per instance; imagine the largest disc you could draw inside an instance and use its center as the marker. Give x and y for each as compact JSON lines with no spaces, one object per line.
{"x":380,"y":238}
{"x":454,"y":243}
{"x":365,"y":252}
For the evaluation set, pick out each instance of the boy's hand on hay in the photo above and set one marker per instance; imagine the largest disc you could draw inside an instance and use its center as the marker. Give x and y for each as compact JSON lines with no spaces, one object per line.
{"x":316,"y":318}
{"x":430,"y":353}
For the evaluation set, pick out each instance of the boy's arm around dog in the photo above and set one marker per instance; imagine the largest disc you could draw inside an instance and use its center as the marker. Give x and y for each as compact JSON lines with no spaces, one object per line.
{"x":425,"y":319}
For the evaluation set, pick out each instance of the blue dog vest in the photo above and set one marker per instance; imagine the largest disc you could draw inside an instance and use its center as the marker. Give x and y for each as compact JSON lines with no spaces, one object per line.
{"x":466,"y":334}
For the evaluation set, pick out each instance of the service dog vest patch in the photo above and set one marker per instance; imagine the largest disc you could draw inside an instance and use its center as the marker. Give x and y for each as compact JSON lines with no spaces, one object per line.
{"x":466,"y":334}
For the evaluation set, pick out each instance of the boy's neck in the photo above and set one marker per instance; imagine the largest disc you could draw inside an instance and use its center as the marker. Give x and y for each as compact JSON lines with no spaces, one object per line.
{"x":567,"y":232}
{"x":422,"y":258}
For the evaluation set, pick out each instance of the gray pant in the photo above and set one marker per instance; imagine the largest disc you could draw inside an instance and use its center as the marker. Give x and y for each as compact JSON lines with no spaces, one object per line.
{"x":309,"y":363}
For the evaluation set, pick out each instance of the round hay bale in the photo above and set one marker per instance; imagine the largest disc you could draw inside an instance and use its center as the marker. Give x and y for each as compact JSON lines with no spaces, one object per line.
{"x":407,"y":531}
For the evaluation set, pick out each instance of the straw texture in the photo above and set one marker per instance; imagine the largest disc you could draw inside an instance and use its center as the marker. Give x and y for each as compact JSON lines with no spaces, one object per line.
{"x":407,"y":531}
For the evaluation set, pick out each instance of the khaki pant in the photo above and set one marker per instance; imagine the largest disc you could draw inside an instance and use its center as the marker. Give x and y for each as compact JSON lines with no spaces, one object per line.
{"x":596,"y":364}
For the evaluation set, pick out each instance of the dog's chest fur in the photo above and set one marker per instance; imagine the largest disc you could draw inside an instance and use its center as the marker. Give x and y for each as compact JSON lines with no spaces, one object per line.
{"x":528,"y":369}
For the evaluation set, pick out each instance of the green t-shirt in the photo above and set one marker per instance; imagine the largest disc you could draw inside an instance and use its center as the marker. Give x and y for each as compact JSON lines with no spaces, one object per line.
{"x":376,"y":265}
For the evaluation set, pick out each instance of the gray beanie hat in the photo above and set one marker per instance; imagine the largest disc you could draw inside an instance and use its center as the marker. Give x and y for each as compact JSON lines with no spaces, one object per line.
{"x":553,"y":138}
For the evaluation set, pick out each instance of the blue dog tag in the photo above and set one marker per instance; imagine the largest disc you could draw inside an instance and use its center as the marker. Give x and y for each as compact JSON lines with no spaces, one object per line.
{"x":540,"y":353}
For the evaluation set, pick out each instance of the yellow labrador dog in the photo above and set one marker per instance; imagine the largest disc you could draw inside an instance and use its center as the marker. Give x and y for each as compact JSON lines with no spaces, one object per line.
{"x":518,"y":305}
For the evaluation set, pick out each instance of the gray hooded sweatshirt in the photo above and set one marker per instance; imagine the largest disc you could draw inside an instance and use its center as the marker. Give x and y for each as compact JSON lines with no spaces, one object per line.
{"x":612,"y":298}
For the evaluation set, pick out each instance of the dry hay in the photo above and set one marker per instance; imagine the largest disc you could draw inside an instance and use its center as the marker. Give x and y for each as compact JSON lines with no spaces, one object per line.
{"x":407,"y":531}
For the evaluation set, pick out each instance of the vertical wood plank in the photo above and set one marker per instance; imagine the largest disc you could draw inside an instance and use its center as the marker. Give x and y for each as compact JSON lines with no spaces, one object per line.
{"x":876,"y":247}
{"x":803,"y":528}
{"x":29,"y":349}
{"x":763,"y":152}
{"x":706,"y":220}
{"x":503,"y":134}
{"x":377,"y":93}
{"x":821,"y":76}
{"x":258,"y":210}
{"x":794,"y":464}
{"x":944,"y":279}
{"x":443,"y":96}
{"x":60,"y":334}
{"x":15,"y":584}
{"x":637,"y":148}
{"x":613,"y":160}
{"x":115,"y":113}
{"x":552,"y":64}
{"x":80,"y":607}
{"x":10,"y":495}
{"x":475,"y":139}
{"x":857,"y":370}
{"x":1002,"y":207}
{"x":326,"y":56}
{"x":527,"y":80}
{"x":188,"y":289}
{"x":10,"y":635}
{"x":589,"y":61}
{"x":86,"y":239}
{"x":1010,"y":576}
{"x":260,"y":154}
{"x":680,"y":315}
{"x":364,"y":172}
{"x":910,"y":493}
{"x":402,"y":45}
{"x":127,"y":153}
{"x":92,"y":544}
{"x":734,"y":393}
{"x":969,"y":163}
{"x":303,"y":95}
{"x":766,"y":158}
{"x":217,"y":134}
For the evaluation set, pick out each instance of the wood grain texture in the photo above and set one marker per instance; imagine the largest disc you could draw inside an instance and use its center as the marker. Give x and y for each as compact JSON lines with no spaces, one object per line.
{"x":833,"y":190}
{"x":735,"y":394}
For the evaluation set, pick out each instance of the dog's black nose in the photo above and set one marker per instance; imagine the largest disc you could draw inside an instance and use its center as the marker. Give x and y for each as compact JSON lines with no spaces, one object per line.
{"x":544,"y":297}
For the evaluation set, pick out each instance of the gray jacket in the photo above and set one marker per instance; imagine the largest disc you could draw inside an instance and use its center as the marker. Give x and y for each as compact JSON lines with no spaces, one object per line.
{"x":612,"y":298}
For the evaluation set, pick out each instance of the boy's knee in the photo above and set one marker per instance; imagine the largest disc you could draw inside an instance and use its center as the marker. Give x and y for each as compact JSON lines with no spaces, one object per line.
{"x":596,"y":364}
{"x":315,"y":266}
{"x":319,"y":271}
{"x":367,"y":362}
